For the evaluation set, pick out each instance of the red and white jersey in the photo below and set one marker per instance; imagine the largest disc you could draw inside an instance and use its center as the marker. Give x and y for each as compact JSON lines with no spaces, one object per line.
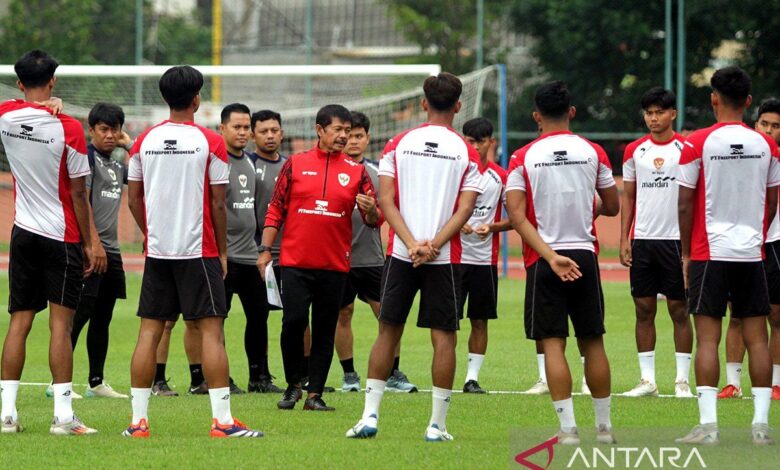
{"x":487,"y":210}
{"x":730,"y":166}
{"x":178,"y":163}
{"x":45,"y":152}
{"x":560,"y":172}
{"x":652,"y":165}
{"x":431,"y":165}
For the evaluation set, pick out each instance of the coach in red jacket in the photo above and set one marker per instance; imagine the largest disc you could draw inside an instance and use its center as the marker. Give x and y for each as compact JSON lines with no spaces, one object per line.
{"x":314,"y":197}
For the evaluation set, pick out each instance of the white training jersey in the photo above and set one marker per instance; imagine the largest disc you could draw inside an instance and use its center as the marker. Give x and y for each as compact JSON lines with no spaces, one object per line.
{"x":653,"y":166}
{"x":177,"y":163}
{"x":773,"y":234}
{"x":487,"y":210}
{"x":431,"y":165}
{"x":45,"y":152}
{"x":730,"y":166}
{"x":560,"y":172}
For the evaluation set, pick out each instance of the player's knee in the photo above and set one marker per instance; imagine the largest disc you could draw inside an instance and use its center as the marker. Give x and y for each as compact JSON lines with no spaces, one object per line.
{"x":735,"y":323}
{"x":479,"y":326}
{"x":169,"y":326}
{"x":645,"y":315}
{"x":774,"y":320}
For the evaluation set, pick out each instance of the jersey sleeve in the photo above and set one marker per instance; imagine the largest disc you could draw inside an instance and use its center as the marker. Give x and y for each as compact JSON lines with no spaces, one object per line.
{"x":690,"y":166}
{"x":387,"y":162}
{"x":629,"y":166}
{"x":773,"y":178}
{"x":515,"y":180}
{"x":75,"y":147}
{"x":472,"y":179}
{"x":219,"y":170}
{"x":604,"y":178}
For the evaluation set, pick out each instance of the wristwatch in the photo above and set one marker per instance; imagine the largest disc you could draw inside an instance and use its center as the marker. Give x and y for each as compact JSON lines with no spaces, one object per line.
{"x":263,"y":248}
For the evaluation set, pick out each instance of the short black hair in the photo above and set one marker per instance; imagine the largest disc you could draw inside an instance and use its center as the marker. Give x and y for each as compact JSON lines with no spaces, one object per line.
{"x":732,"y":84}
{"x":478,"y":128}
{"x":659,"y":96}
{"x":180,"y":85}
{"x":327,"y":113}
{"x":265,"y":115}
{"x":107,"y":113}
{"x":769,"y":105}
{"x":233,"y":108}
{"x":553,"y":100}
{"x":360,"y":120}
{"x":35,"y":68}
{"x":442,"y":91}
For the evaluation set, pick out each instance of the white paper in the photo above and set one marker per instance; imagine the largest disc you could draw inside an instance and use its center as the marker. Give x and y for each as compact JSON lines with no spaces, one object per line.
{"x":271,"y":287}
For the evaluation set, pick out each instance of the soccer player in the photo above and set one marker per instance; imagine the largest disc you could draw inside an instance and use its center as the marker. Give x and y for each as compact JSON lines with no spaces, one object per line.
{"x":365,"y":272}
{"x":565,"y":221}
{"x":48,"y":159}
{"x":768,"y":122}
{"x":650,"y":239}
{"x":479,"y":260}
{"x":178,"y":174}
{"x":728,"y":181}
{"x":313,"y":198}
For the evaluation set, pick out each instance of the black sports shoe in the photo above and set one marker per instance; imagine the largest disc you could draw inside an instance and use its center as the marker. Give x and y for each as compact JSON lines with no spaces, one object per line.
{"x":202,"y":389}
{"x":235,"y":389}
{"x":290,"y":397}
{"x":264,"y":384}
{"x":472,"y":386}
{"x":316,"y":403}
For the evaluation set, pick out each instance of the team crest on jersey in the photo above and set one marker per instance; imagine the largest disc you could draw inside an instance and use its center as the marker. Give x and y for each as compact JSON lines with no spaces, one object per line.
{"x":242,"y":180}
{"x":431,"y":147}
{"x":112,"y":174}
{"x":343,"y":179}
{"x":170,"y":144}
{"x":26,"y":130}
{"x":658,"y":163}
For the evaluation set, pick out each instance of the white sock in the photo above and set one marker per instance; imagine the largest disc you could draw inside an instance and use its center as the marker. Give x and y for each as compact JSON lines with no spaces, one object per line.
{"x":441,"y":403}
{"x":220,"y":405}
{"x":734,"y":373}
{"x":683,"y":366}
{"x":374,"y":391}
{"x":565,"y":410}
{"x":62,"y":401}
{"x":139,"y":397}
{"x":602,"y":408}
{"x":762,"y":396}
{"x":8,"y":391}
{"x":776,"y":375}
{"x":475,"y":362}
{"x":647,"y":366}
{"x":708,"y":404}
{"x":540,"y":363}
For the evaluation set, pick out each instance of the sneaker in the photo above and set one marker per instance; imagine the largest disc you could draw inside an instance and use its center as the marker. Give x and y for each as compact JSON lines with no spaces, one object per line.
{"x":351,"y":382}
{"x":643,"y":389}
{"x":682,"y":390}
{"x":398,"y":382}
{"x":235,"y":389}
{"x":137,"y":430}
{"x":200,"y":389}
{"x":434,"y":434}
{"x":264,"y":384}
{"x":73,"y":394}
{"x":237,"y":429}
{"x":364,"y":429}
{"x":316,"y":403}
{"x":472,"y":386}
{"x":11,"y":426}
{"x":730,"y":391}
{"x":585,"y":388}
{"x":73,"y":427}
{"x":761,"y":435}
{"x":290,"y":398}
{"x":775,"y":392}
{"x":705,"y":434}
{"x":539,"y":388}
{"x":604,"y":435}
{"x":568,"y":438}
{"x":161,"y":389}
{"x":103,"y":390}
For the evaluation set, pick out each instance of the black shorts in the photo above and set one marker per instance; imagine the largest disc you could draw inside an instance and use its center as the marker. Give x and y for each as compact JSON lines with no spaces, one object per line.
{"x":772,"y":268}
{"x":112,"y":282}
{"x":656,"y":267}
{"x":713,"y":284}
{"x":480,"y":284}
{"x":43,"y":270}
{"x":245,"y":281}
{"x":439,"y":286}
{"x":363,"y":283}
{"x":192,"y":287}
{"x":550,"y":302}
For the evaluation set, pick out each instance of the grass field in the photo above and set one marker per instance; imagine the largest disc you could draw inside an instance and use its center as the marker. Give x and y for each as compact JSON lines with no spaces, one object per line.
{"x":481,"y":424}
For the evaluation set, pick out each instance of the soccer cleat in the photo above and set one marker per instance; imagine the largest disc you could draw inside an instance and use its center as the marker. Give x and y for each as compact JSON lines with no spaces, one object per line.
{"x":604,"y":435}
{"x":162,"y":389}
{"x":351,"y":382}
{"x":585,"y":388}
{"x":539,"y":388}
{"x":682,"y":390}
{"x":643,"y":389}
{"x":568,"y":438}
{"x":103,"y":390}
{"x":472,"y":386}
{"x":73,"y":394}
{"x":775,"y":392}
{"x":200,"y":389}
{"x":364,"y":429}
{"x":761,"y":435}
{"x":74,"y":427}
{"x":730,"y":391}
{"x":434,"y":434}
{"x":264,"y":384}
{"x":316,"y":403}
{"x":398,"y":382}
{"x":290,"y":398}
{"x":237,"y":429}
{"x":704,"y":434}
{"x":11,"y":426}
{"x":235,"y":389}
{"x":140,"y":430}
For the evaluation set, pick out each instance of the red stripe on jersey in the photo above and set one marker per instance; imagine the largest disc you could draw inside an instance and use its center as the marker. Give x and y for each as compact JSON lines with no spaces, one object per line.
{"x":72,"y":233}
{"x":391,"y":233}
{"x":456,"y":248}
{"x":209,"y":243}
{"x":700,"y":244}
{"x":529,"y":256}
